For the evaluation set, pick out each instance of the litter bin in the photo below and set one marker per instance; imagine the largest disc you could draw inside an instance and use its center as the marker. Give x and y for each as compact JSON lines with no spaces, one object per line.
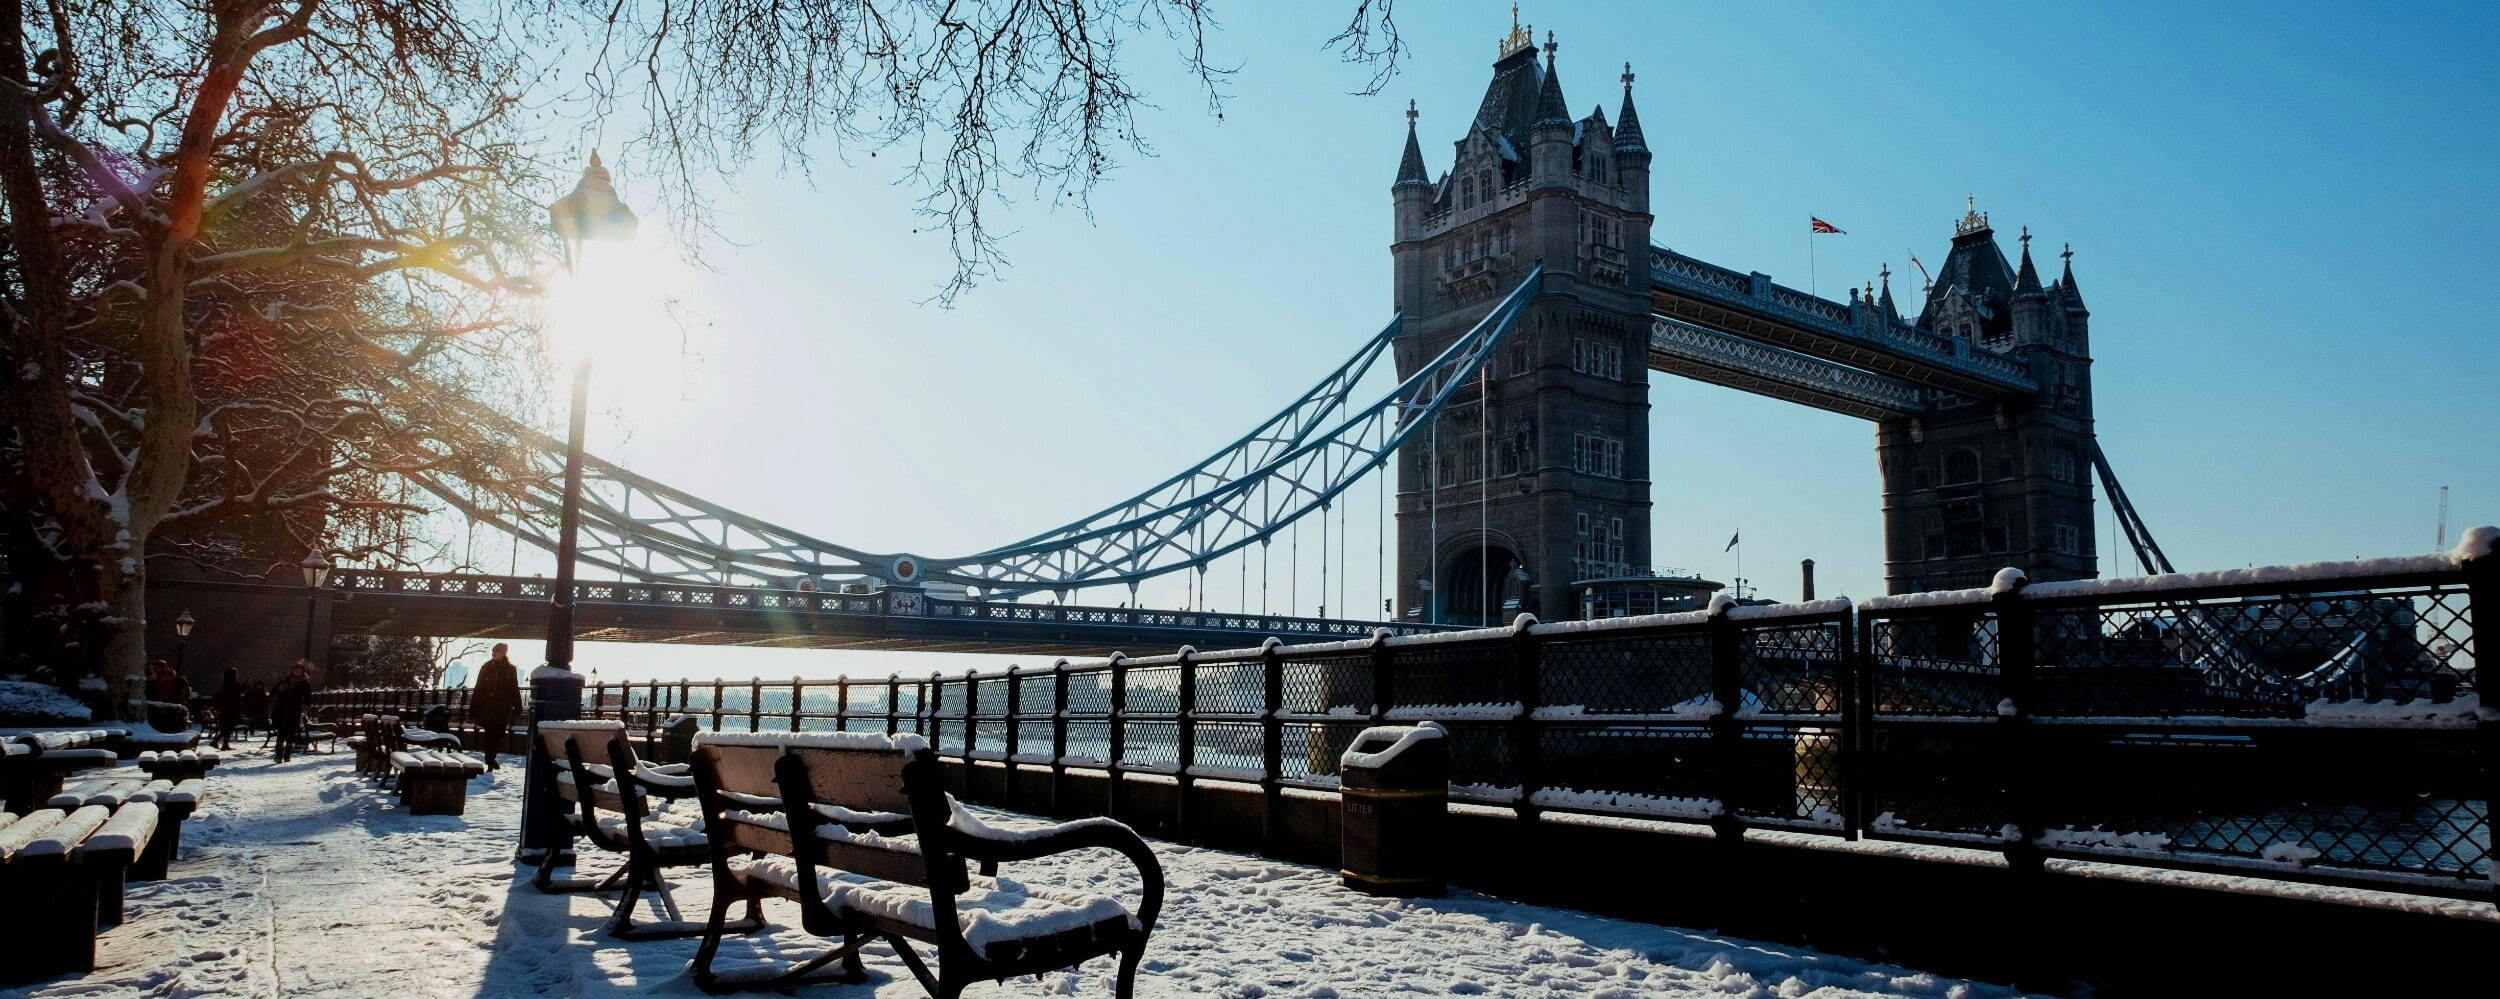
{"x":677,"y":739}
{"x":1395,"y":789}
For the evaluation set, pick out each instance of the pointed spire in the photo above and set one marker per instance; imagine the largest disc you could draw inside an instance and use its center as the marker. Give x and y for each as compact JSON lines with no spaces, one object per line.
{"x":2027,"y":279}
{"x":1550,"y":109}
{"x":1628,"y":137}
{"x":1411,"y":166}
{"x":2066,"y":281}
{"x":1885,"y":296}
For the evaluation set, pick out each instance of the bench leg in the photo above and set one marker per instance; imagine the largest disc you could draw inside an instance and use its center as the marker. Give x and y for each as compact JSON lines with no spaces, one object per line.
{"x":1125,"y":985}
{"x":432,"y":795}
{"x":107,"y":876}
{"x":724,"y":895}
{"x":53,"y":912}
{"x":545,"y":880}
{"x":163,"y":845}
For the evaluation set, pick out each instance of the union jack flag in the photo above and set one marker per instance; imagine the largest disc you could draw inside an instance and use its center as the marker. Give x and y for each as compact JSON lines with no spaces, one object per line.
{"x":1821,"y":226}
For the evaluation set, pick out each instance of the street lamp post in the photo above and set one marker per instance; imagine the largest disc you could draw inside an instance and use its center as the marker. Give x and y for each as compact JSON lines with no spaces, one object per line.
{"x":591,"y":213}
{"x":316,"y":572}
{"x":182,"y":637}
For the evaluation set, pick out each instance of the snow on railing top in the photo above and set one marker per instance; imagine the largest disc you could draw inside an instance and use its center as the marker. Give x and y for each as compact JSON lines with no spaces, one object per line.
{"x":2264,"y":575}
{"x":905,"y":742}
{"x":587,"y":725}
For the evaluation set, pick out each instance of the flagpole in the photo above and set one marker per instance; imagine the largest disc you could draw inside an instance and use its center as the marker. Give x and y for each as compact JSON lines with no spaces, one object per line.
{"x":1810,"y":285}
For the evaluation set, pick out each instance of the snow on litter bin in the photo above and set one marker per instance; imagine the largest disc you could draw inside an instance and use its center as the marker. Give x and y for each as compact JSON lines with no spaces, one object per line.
{"x":1395,"y":789}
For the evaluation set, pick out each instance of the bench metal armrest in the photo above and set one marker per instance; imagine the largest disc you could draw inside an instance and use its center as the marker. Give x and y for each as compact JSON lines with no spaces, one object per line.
{"x":991,"y":846}
{"x":663,"y":783}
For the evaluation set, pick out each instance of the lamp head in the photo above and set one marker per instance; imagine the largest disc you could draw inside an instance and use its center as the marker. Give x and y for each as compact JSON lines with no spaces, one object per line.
{"x":592,"y":213}
{"x":184,"y":624}
{"x":316,"y":570}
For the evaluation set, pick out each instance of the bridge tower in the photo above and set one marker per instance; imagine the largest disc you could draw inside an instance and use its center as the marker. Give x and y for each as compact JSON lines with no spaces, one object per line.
{"x":1975,"y":484}
{"x":1508,"y":499}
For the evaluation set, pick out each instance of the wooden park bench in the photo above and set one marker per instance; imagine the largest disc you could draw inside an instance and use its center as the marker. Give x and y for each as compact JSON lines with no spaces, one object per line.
{"x":61,"y":874}
{"x":46,"y":758}
{"x":174,"y":801}
{"x":179,"y":764}
{"x":376,"y":738}
{"x":622,"y":805}
{"x":435,"y":781}
{"x":864,"y":823}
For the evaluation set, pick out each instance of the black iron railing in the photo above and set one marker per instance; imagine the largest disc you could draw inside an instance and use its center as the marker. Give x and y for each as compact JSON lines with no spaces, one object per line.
{"x":2310,"y":723}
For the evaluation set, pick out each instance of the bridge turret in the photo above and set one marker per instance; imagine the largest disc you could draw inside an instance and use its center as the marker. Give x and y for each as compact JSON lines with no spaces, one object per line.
{"x":2031,"y":302}
{"x":1549,"y":134}
{"x":1631,"y":149}
{"x":1508,"y":500}
{"x":2078,"y":318}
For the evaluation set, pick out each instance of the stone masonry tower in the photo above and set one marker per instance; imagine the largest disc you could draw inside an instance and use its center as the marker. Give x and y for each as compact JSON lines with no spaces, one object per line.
{"x":1975,"y":484}
{"x":1507,"y":500}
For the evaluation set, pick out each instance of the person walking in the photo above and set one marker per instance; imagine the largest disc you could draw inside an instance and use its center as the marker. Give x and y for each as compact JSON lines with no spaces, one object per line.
{"x":229,"y":707}
{"x":286,"y":708}
{"x":495,"y":701}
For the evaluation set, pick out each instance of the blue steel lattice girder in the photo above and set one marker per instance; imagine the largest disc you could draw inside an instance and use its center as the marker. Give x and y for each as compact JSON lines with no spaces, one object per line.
{"x":1294,"y":463}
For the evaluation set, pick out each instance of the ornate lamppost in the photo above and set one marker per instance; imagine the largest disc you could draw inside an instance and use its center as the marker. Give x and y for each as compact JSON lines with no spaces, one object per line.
{"x":182,"y":637}
{"x":316,"y":572}
{"x":591,"y":213}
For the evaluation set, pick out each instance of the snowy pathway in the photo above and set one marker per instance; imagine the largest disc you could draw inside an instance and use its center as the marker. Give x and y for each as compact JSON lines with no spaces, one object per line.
{"x":300,"y":880}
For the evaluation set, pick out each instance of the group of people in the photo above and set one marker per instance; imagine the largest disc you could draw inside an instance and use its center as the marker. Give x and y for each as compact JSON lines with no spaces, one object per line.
{"x":250,"y":705}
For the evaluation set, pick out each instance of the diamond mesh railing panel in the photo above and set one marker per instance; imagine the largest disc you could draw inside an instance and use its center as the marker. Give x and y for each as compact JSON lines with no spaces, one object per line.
{"x":2255,"y":656}
{"x":1669,"y":762}
{"x":1236,"y":688}
{"x":1455,"y":674}
{"x":1793,"y":668}
{"x":1151,"y":744}
{"x":1235,"y":748}
{"x":1328,"y":685}
{"x":1639,"y":673}
{"x":1937,"y":780}
{"x":1307,"y":751}
{"x":1934,"y":664}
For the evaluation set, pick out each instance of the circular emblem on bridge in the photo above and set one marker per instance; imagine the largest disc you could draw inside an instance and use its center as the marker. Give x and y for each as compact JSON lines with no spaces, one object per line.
{"x":904,"y":569}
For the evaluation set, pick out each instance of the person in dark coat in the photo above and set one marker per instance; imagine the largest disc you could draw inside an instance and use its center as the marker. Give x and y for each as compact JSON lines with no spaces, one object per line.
{"x":255,"y":706}
{"x":494,"y":701}
{"x":229,"y":707}
{"x":286,"y":708}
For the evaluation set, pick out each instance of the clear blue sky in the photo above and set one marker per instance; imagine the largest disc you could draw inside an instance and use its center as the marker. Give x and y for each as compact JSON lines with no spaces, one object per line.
{"x":2282,"y":215}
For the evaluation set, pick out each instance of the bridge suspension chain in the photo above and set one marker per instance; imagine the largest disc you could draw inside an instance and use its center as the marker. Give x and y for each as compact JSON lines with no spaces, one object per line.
{"x":1294,"y":463}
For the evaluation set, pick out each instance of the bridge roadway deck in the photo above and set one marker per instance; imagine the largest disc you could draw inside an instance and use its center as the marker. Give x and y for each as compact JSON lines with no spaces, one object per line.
{"x":368,"y":601}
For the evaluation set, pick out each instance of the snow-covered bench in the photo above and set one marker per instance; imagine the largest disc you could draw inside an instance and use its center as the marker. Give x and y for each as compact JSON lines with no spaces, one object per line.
{"x":61,"y":872}
{"x":181,"y":764}
{"x":376,"y":738}
{"x":623,"y":805}
{"x":859,"y":830}
{"x":434,"y":781}
{"x":174,"y":802}
{"x":34,"y":772}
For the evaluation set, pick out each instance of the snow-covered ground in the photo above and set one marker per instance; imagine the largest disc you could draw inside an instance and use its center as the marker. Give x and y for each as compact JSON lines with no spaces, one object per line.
{"x":301,"y":880}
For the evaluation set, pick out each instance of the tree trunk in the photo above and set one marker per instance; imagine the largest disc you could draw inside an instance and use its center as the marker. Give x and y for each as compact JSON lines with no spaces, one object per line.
{"x":123,"y":631}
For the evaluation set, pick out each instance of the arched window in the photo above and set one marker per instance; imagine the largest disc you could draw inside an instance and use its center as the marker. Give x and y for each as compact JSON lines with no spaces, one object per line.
{"x":1485,"y":180}
{"x":1507,"y":242}
{"x":1467,"y":193}
{"x":1961,"y":466}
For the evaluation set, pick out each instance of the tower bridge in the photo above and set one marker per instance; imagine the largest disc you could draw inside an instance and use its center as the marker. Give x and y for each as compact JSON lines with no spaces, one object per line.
{"x":1532,"y":301}
{"x":1982,"y":402}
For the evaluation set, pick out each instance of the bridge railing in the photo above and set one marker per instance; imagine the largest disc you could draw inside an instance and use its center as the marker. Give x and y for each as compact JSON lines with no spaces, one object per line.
{"x":2316,"y":723}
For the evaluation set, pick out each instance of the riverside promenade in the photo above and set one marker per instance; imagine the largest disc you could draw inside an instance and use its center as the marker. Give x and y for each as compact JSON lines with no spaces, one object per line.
{"x":303,"y":880}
